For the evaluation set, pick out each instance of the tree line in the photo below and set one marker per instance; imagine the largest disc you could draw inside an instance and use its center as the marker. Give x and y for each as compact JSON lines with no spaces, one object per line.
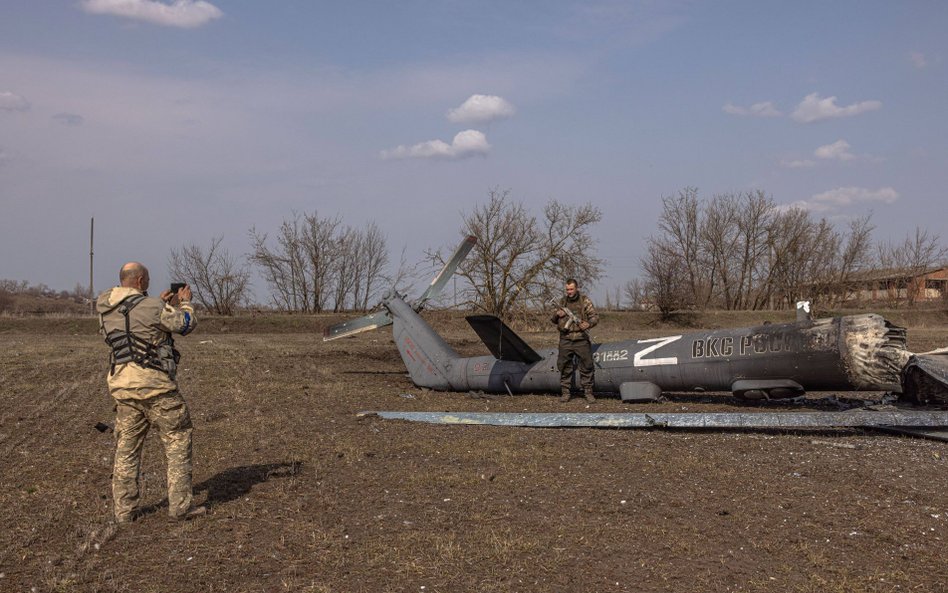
{"x":743,"y":251}
{"x":731,"y":251}
{"x":314,"y":263}
{"x":310,"y":265}
{"x":10,"y":290}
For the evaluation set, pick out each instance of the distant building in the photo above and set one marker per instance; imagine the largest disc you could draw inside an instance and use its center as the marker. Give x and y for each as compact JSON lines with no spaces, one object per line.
{"x":899,"y":285}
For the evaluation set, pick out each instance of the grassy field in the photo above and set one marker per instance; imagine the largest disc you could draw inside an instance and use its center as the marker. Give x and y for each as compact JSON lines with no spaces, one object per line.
{"x":306,"y":496}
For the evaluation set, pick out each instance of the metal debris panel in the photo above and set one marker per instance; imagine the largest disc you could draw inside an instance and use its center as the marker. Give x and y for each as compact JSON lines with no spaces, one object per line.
{"x":854,"y":418}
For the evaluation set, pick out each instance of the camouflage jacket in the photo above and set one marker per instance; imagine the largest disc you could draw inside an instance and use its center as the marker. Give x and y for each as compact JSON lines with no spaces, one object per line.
{"x":153,"y":321}
{"x":583,"y":308}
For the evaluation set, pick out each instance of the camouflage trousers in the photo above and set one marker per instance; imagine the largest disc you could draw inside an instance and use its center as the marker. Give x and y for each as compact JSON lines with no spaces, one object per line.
{"x":582,"y":351}
{"x":168,"y":413}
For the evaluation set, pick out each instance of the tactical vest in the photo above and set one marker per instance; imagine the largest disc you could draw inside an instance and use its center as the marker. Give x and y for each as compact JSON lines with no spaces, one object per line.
{"x":578,"y":308}
{"x":127,"y":347}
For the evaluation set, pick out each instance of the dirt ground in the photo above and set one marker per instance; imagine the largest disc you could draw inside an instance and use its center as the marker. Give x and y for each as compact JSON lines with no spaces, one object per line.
{"x":303,"y":495}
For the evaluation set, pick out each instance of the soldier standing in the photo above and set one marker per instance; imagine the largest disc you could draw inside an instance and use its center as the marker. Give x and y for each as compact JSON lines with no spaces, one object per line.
{"x":574,"y":315}
{"x":142,"y":380}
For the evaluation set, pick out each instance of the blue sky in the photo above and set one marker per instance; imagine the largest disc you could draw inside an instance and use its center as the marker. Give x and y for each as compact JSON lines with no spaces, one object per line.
{"x":172,"y":123}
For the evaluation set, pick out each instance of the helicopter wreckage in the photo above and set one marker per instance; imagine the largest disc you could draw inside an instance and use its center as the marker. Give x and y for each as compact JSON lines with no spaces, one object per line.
{"x":772,"y":361}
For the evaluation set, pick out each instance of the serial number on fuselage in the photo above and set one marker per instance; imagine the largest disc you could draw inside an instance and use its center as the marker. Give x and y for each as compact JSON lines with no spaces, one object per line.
{"x":611,"y":355}
{"x":642,"y":358}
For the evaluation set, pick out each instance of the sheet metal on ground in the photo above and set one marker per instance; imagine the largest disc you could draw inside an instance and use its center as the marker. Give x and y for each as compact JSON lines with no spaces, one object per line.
{"x":917,"y":423}
{"x":924,"y":433}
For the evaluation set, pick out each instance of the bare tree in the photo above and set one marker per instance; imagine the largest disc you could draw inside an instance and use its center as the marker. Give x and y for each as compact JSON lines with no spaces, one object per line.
{"x":755,"y":222}
{"x":720,"y":238}
{"x":321,"y":237}
{"x":6,"y":300}
{"x":346,"y":269}
{"x":803,"y":255}
{"x":732,"y":236}
{"x":635,"y":294}
{"x":282,"y":266}
{"x":910,"y":259}
{"x":218,"y":282}
{"x":788,"y":247}
{"x":813,"y":260}
{"x":405,"y":273}
{"x":360,"y":260}
{"x":318,"y":262}
{"x":80,"y":293}
{"x":14,"y":286}
{"x":680,"y":225}
{"x":740,"y":251}
{"x":855,"y":258}
{"x":520,"y":260}
{"x":299,"y":268}
{"x":667,"y":285}
{"x":373,"y":253}
{"x":614,"y":299}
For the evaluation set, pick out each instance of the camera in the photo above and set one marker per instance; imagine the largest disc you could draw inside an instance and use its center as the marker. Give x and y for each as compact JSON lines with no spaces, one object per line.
{"x":176,"y":286}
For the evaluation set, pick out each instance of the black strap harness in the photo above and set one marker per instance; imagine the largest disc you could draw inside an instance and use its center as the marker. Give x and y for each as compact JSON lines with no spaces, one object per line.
{"x":127,"y":347}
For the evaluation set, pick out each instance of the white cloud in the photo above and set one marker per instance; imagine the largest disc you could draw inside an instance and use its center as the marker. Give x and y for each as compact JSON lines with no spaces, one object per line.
{"x":465,"y":144}
{"x":918,"y":59}
{"x":814,"y":108}
{"x":480,"y":109}
{"x":763,"y":109}
{"x":838,"y":150}
{"x":846,"y":196}
{"x":187,"y":118}
{"x":180,"y":13}
{"x":797,"y":164}
{"x":13,"y":102}
{"x":802,"y":205}
{"x":835,"y":199}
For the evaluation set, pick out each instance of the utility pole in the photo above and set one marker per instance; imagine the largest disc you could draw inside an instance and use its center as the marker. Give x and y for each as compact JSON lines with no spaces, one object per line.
{"x":91,"y":254}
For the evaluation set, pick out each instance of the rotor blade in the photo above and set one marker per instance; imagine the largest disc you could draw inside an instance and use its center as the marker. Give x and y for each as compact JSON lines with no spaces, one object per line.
{"x":358,"y":325}
{"x":437,"y":284}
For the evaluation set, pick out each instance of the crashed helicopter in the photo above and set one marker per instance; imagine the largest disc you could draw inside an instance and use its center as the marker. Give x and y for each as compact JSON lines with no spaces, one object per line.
{"x":772,"y":361}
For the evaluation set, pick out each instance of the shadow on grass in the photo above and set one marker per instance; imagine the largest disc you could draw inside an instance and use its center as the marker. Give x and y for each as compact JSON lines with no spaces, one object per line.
{"x":235,"y":482}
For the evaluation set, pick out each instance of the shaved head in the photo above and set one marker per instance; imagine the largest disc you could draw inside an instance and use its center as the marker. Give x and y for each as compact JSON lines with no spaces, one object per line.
{"x":131,"y":272}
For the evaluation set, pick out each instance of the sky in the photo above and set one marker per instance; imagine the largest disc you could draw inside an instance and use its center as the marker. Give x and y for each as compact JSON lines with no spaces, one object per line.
{"x":175,"y":122}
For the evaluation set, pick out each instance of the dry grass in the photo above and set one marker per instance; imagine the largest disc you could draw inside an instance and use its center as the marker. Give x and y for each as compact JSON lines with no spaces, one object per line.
{"x":305,"y":496}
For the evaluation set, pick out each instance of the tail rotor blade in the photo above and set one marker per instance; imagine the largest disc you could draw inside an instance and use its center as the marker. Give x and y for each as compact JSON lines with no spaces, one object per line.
{"x":356,"y":326}
{"x":439,"y":281}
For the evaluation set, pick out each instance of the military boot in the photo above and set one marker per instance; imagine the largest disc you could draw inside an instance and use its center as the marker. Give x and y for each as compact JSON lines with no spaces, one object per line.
{"x":564,"y":395}
{"x":192,"y":513}
{"x":588,"y":392}
{"x":128,"y":517}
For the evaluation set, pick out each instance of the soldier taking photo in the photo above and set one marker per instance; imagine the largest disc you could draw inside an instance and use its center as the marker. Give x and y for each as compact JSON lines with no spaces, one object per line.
{"x":142,"y":379}
{"x":575,"y":314}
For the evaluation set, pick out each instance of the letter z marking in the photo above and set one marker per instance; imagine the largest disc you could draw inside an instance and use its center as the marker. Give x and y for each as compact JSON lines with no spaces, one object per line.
{"x":639,"y":359}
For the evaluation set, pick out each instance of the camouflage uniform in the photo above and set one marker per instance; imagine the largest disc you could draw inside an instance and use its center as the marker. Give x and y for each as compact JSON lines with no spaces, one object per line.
{"x":146,"y":396}
{"x":574,"y":341}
